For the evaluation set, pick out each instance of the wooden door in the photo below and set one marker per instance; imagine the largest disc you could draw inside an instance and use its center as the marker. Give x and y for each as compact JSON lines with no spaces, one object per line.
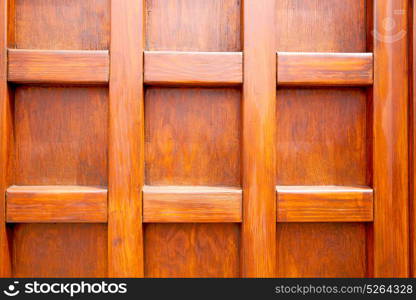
{"x":204,"y":138}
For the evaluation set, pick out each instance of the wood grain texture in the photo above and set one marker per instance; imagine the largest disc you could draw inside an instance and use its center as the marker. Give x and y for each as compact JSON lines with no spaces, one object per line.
{"x":58,"y":66}
{"x":60,"y":250}
{"x":322,"y":137}
{"x":6,"y":144}
{"x":193,"y":136}
{"x":192,"y":250}
{"x":412,"y":127}
{"x":56,"y":204}
{"x":193,"y":25}
{"x":320,"y":26}
{"x":324,"y":204}
{"x":62,"y":25}
{"x":324,"y":69}
{"x":193,"y":68}
{"x":191,"y":204}
{"x":390,"y":148}
{"x":126,"y":140}
{"x":258,"y":252}
{"x":61,"y":135}
{"x":321,"y":250}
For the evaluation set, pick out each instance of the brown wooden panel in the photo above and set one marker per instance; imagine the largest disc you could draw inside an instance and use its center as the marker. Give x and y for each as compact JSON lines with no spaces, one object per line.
{"x":322,"y":137}
{"x":412,"y":127}
{"x":193,"y":25}
{"x":192,"y":136}
{"x":259,"y":140}
{"x":126,"y":140}
{"x":64,"y":25}
{"x":6,"y":144}
{"x":61,"y":136}
{"x":191,"y":250}
{"x":324,"y":204}
{"x":191,"y":204}
{"x":54,"y":66}
{"x":60,"y":250}
{"x":49,"y":204}
{"x":193,"y":68}
{"x":321,"y":250}
{"x":321,"y":26}
{"x":324,"y":69}
{"x":390,"y":148}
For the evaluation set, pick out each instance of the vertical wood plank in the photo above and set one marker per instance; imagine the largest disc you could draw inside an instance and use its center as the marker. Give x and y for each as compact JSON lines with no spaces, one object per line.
{"x":126,"y":144}
{"x":5,"y":143}
{"x":412,"y":156}
{"x":390,"y":151}
{"x":258,"y":253}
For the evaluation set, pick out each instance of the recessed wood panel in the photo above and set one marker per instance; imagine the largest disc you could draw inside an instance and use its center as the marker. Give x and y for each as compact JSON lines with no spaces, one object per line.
{"x":321,"y":26}
{"x":192,"y":136}
{"x":321,"y":250}
{"x":61,"y":135}
{"x":193,"y":25}
{"x":60,"y":250}
{"x":64,"y":25}
{"x":322,"y":137}
{"x":191,"y":250}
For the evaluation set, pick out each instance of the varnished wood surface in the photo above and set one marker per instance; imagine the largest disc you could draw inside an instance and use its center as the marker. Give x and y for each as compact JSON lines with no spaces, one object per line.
{"x":412,"y":164}
{"x":192,"y":250}
{"x":193,"y":25}
{"x":321,"y":250}
{"x":324,"y":204}
{"x":59,"y":250}
{"x":6,"y":145}
{"x":323,"y":137}
{"x":390,"y":150}
{"x":54,"y":66}
{"x":57,"y":25}
{"x":61,"y":135}
{"x":321,"y":26}
{"x":192,"y":136}
{"x":193,"y":68}
{"x":258,"y":252}
{"x":324,"y":69}
{"x":126,"y":140}
{"x":191,"y":204}
{"x":205,"y":135}
{"x":56,"y":204}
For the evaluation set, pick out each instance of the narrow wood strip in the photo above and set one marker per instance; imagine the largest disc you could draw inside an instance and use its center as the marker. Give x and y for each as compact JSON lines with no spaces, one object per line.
{"x":191,"y":204}
{"x":58,"y":66}
{"x":6,"y":145}
{"x":50,"y":204}
{"x":193,"y":68}
{"x":324,"y":69}
{"x":390,"y":146}
{"x":324,"y":204}
{"x":258,"y":240}
{"x":126,"y":140}
{"x":412,"y":164}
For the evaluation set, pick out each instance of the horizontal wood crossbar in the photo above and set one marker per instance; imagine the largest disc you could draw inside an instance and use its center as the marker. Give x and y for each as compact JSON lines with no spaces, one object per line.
{"x":191,"y":204}
{"x":58,"y":66}
{"x":193,"y":68}
{"x":61,"y":204}
{"x":324,"y":69}
{"x":324,"y":204}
